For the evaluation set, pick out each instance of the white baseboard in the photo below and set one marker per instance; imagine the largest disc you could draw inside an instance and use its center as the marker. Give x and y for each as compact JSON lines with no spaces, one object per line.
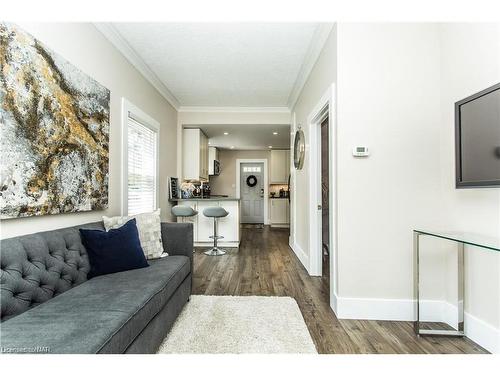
{"x":476,"y":329}
{"x":334,"y":302}
{"x":374,"y":309}
{"x":439,"y":311}
{"x":304,"y":259}
{"x":280,"y":225}
{"x":482,"y":333}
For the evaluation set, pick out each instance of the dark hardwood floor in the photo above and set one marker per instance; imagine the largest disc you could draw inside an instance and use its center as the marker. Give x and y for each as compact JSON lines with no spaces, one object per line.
{"x":265,"y":265}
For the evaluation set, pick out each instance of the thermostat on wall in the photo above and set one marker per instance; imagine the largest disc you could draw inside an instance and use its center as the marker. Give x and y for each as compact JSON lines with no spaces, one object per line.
{"x":360,"y":151}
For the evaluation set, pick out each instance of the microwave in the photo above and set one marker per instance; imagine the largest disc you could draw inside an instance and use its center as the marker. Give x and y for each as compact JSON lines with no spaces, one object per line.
{"x":216,"y":168}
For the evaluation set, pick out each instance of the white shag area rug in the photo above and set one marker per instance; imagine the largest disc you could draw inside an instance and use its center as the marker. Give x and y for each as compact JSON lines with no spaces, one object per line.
{"x":234,"y":324}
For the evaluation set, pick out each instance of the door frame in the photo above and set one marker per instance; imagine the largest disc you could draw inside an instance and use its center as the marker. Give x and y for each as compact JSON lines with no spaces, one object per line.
{"x":325,"y":107}
{"x":266,"y":185}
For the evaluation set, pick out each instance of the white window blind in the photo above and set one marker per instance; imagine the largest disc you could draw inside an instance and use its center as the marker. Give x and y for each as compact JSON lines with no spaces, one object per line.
{"x":142,"y":168}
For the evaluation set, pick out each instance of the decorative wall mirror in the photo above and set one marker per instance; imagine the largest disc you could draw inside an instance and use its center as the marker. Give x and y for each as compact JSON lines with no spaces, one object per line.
{"x":299,"y":149}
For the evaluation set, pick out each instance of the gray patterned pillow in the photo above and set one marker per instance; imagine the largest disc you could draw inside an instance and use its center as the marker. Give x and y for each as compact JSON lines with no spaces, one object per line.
{"x":149,"y":228}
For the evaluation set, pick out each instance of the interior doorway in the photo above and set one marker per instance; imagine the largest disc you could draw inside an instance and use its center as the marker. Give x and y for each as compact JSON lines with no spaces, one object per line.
{"x":252,"y":193}
{"x":323,"y":194}
{"x":325,"y":198}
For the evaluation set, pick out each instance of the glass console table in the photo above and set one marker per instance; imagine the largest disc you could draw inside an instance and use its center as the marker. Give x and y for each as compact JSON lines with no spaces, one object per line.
{"x":461,"y":239}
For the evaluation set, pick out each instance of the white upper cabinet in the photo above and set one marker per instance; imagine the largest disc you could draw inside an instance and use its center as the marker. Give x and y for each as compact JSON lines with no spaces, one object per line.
{"x":194,"y":155}
{"x":280,"y":166}
{"x":213,"y":154}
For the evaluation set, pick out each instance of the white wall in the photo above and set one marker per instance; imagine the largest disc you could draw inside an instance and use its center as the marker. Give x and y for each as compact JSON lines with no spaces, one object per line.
{"x":396,"y":86}
{"x":251,"y":116}
{"x":225,"y":183}
{"x":470,"y":62}
{"x":87,"y":49}
{"x":320,"y":79}
{"x":388,"y":100}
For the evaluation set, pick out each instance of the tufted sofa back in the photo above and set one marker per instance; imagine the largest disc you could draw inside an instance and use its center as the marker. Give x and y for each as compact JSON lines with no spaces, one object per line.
{"x":38,"y":267}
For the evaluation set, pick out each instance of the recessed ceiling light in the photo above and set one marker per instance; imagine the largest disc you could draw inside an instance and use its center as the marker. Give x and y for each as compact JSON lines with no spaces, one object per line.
{"x":226,"y":133}
{"x":270,"y":146}
{"x":275,"y":133}
{"x":231,"y":147}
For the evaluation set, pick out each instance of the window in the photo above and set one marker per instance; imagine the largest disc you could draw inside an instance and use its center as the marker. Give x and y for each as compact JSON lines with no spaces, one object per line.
{"x":140,"y":162}
{"x":251,"y":169}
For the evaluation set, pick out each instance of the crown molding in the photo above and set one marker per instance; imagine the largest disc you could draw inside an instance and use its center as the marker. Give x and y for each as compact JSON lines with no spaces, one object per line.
{"x":317,"y":43}
{"x":115,"y":38}
{"x":234,"y":109}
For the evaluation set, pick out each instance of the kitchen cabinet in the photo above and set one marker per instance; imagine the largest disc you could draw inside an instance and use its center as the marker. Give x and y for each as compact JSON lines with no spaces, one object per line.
{"x":193,"y":219}
{"x":280,"y":212}
{"x":229,"y":226}
{"x":205,"y":224}
{"x":203,"y":227}
{"x":213,"y":154}
{"x":194,"y":155}
{"x":280,"y":166}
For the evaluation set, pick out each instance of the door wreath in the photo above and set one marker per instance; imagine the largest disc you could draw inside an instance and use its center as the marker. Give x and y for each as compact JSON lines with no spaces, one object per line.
{"x":251,"y":180}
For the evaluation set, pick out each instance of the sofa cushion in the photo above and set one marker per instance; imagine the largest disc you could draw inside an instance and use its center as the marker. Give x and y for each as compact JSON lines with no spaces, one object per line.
{"x":103,"y":315}
{"x":149,"y":227}
{"x":114,"y":251}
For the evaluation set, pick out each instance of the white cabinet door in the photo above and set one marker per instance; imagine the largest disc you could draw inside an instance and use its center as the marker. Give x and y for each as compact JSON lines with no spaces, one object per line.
{"x":191,"y":154}
{"x":194,"y":155}
{"x":204,"y":156}
{"x":213,"y":154}
{"x":192,"y":219}
{"x":205,"y":224}
{"x":229,"y":226}
{"x":287,"y":218}
{"x":278,"y":211}
{"x":278,"y":171}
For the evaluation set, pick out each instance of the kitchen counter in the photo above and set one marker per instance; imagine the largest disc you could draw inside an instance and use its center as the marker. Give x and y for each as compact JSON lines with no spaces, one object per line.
{"x":203,"y":227}
{"x":211,"y":198}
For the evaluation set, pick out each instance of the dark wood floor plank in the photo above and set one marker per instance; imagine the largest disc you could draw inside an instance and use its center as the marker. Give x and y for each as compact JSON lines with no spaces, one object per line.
{"x":265,"y":265}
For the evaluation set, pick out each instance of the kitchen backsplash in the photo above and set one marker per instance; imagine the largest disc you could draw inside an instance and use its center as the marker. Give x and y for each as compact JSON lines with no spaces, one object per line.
{"x":276,"y":188}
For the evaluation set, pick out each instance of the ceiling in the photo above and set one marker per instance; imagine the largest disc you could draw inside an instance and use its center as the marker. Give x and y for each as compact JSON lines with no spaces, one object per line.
{"x":222,"y":64}
{"x":247,"y":137}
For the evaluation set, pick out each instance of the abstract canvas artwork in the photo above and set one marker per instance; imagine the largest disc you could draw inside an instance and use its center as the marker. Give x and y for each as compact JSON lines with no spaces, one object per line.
{"x":54,"y":131}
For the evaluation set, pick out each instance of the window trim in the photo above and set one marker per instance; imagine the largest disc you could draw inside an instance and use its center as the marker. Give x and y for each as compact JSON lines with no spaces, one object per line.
{"x":129,"y":109}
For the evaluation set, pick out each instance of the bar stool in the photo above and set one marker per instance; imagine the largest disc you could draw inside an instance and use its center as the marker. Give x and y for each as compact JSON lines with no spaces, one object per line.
{"x":215,"y":212}
{"x":184,"y":211}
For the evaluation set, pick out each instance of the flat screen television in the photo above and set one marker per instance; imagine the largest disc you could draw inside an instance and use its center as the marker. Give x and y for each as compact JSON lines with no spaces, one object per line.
{"x":477,"y":139}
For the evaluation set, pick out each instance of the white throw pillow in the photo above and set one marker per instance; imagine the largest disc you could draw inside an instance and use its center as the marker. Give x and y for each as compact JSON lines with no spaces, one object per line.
{"x":149,"y":228}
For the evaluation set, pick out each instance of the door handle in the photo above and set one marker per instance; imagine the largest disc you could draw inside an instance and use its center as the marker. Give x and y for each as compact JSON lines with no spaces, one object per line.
{"x":319,"y":207}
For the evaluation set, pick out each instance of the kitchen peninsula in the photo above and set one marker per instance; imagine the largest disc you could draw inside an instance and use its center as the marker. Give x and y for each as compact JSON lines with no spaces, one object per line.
{"x":229,"y":226}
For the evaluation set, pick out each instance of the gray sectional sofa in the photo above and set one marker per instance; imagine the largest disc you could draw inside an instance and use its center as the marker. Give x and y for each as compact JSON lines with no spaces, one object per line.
{"x":49,"y":306}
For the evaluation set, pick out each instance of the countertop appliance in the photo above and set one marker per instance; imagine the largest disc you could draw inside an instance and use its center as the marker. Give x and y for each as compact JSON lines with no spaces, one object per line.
{"x":205,"y":190}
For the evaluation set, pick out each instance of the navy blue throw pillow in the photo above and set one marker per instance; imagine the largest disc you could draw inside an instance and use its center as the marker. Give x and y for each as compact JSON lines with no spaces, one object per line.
{"x":114,"y":251}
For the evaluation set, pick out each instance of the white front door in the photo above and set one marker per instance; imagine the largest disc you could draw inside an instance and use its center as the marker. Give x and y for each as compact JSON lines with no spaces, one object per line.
{"x":252,"y":197}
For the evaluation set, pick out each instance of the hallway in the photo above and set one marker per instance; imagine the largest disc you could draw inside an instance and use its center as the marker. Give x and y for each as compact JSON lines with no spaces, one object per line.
{"x":265,"y":265}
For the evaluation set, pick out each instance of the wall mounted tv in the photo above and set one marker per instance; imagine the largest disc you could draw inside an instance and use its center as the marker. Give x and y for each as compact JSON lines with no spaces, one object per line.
{"x":477,"y":139}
